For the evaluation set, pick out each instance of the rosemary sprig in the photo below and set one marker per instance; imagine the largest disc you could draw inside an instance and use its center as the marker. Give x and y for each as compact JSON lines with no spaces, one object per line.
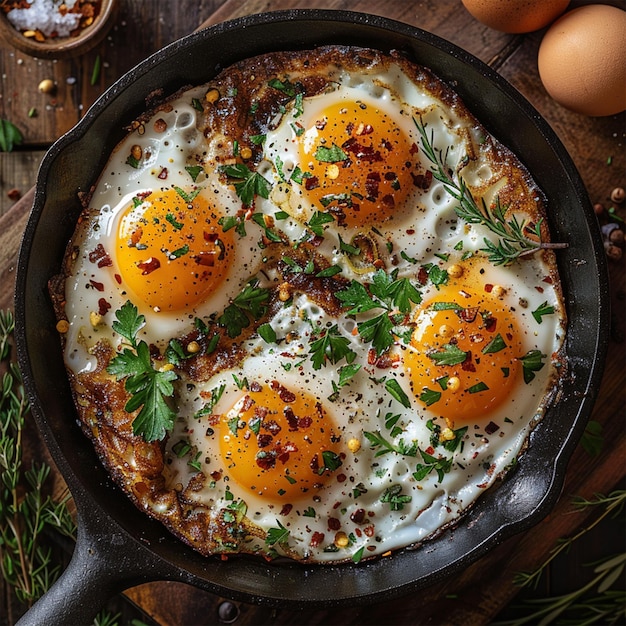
{"x":613,"y":504}
{"x":607,"y":606}
{"x":511,"y":242}
{"x":26,"y":514}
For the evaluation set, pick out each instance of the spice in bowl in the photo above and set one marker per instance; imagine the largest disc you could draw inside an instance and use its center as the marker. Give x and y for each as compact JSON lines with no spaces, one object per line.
{"x":55,"y":28}
{"x":46,"y":19}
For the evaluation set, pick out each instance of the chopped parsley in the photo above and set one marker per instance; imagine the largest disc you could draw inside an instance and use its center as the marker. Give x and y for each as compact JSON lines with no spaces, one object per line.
{"x":248,"y":184}
{"x":541,"y":310}
{"x":148,"y":387}
{"x":532,"y":362}
{"x":386,"y":291}
{"x":252,"y":301}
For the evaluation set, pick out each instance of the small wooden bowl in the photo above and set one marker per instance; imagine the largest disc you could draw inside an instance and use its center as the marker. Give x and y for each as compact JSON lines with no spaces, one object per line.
{"x":62,"y":47}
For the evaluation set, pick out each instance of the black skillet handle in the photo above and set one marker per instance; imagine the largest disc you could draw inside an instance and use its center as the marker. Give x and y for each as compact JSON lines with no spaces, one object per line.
{"x":103,"y":564}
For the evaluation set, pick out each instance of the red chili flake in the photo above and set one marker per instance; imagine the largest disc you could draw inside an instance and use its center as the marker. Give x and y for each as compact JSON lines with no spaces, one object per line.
{"x":118,"y":279}
{"x":341,"y":478}
{"x":211,"y":237}
{"x":422,"y":276}
{"x":103,"y":306}
{"x":247,"y":403}
{"x":216,"y":475}
{"x":266,"y":460}
{"x":371,"y":356}
{"x":312,"y":182}
{"x":490,"y":324}
{"x":286,"y":509}
{"x":97,"y":253}
{"x":414,"y":149}
{"x":468,"y":364}
{"x":364,"y":153}
{"x":163,"y":174}
{"x":491,"y":428}
{"x":430,"y":450}
{"x":369,"y":530}
{"x":386,"y":361}
{"x":358,"y":516}
{"x":315,"y":464}
{"x":488,"y":287}
{"x":372,"y":184}
{"x":149,"y":266}
{"x":468,"y":315}
{"x":272,"y":427}
{"x":305,"y":422}
{"x":255,"y":386}
{"x":422,"y":181}
{"x":206,"y":259}
{"x":316,"y":539}
{"x":263,"y":440}
{"x":292,"y":420}
{"x":388,"y":201}
{"x":548,"y":280}
{"x":284,"y":452}
{"x":539,"y":289}
{"x":333,"y":523}
{"x":96,"y":285}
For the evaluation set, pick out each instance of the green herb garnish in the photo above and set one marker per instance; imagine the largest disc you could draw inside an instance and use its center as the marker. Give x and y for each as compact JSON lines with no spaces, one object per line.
{"x":148,"y":387}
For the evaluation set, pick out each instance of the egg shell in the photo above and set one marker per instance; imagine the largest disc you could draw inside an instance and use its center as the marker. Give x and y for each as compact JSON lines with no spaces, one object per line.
{"x":582,"y":60}
{"x":516,"y":16}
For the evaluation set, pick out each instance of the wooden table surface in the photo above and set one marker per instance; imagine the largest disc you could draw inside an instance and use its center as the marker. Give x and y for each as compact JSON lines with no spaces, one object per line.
{"x":596,"y":144}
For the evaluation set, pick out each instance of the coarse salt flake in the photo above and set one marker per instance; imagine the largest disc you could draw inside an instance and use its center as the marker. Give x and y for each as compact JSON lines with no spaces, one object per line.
{"x":44,"y":15}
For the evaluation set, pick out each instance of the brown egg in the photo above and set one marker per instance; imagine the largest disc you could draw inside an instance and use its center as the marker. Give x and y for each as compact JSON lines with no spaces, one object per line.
{"x":516,"y":16}
{"x":582,"y":60}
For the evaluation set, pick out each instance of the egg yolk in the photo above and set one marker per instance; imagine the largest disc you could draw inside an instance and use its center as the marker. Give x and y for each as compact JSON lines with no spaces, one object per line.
{"x":171,"y":251}
{"x":463,"y":356}
{"x":358,"y":162}
{"x":279,"y":443}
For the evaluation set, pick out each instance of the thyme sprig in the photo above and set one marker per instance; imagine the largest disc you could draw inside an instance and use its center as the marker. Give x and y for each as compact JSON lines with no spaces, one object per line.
{"x":607,"y":606}
{"x":26,"y":513}
{"x":512,"y":241}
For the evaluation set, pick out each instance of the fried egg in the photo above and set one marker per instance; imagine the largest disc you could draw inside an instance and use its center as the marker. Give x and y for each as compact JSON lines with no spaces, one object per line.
{"x":344,"y":348}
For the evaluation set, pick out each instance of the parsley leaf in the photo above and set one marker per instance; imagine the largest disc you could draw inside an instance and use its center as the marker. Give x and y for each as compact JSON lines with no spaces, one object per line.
{"x":277,"y":535}
{"x":383,"y":446}
{"x":532,"y":362}
{"x":331,"y":346}
{"x":394,"y":389}
{"x":495,"y":345}
{"x":393,"y":495}
{"x":385,"y":292}
{"x":334,"y":154}
{"x":541,"y":310}
{"x":10,"y":136}
{"x":429,"y":396}
{"x":251,"y":301}
{"x":149,"y":388}
{"x":248,"y":184}
{"x":431,"y":463}
{"x":450,"y":355}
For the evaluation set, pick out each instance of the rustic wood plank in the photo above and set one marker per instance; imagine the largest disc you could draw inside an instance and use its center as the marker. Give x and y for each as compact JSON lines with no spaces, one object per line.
{"x":18,"y":172}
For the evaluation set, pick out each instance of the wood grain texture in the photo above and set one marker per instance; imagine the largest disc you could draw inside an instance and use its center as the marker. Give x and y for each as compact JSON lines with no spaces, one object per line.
{"x":477,"y":594}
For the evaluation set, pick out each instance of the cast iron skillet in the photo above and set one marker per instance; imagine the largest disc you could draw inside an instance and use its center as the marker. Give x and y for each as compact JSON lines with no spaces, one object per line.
{"x":118,"y":546}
